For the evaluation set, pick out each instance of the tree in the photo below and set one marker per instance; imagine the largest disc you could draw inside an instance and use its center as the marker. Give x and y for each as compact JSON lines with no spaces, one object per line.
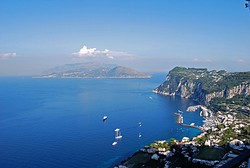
{"x":172,"y":142}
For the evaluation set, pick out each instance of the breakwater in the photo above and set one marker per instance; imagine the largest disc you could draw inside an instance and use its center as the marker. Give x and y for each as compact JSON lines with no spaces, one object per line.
{"x":192,"y":126}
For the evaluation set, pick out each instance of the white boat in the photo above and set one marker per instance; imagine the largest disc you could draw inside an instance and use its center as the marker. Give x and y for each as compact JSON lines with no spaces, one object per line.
{"x":139,"y":135}
{"x":117,"y":130}
{"x":180,"y":111}
{"x":105,"y":118}
{"x":118,"y":137}
{"x":118,"y":134}
{"x":114,"y":143}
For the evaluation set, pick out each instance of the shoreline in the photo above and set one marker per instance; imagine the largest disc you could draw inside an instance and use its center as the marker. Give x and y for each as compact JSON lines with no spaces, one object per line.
{"x":143,"y":150}
{"x":204,"y":144}
{"x":193,"y":126}
{"x":91,"y":77}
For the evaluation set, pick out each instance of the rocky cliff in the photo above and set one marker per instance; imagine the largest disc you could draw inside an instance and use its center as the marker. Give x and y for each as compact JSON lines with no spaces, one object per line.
{"x":241,"y":89}
{"x":202,"y":85}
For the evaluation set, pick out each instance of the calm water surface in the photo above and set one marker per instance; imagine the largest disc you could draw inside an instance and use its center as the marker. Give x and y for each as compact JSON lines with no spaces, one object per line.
{"x":58,"y":122}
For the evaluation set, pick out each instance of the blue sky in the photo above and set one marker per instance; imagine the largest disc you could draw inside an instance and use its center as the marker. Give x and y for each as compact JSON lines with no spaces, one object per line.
{"x":149,"y":35}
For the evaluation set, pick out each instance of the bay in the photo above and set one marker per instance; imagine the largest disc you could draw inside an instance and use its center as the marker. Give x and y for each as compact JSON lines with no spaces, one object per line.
{"x":58,"y":122}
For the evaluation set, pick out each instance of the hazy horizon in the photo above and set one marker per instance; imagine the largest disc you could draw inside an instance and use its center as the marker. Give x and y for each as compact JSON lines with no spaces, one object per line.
{"x":150,"y":36}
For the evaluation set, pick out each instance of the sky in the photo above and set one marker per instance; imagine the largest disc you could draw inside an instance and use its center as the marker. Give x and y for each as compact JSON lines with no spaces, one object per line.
{"x":148,"y":35}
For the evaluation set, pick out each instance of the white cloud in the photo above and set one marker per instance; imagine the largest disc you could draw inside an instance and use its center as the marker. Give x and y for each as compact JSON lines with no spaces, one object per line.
{"x":241,"y":61}
{"x":84,"y":51}
{"x":201,"y":60}
{"x":93,"y":52}
{"x":5,"y":56}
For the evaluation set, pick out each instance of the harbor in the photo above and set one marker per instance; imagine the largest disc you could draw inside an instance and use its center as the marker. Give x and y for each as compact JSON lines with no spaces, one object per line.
{"x":192,"y":126}
{"x":180,"y":119}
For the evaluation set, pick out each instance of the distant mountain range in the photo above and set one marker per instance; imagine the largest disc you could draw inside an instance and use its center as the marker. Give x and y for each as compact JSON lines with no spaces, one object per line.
{"x":92,"y":70}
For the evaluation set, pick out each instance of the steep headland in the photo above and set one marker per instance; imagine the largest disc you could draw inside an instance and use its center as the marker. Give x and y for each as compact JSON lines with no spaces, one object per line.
{"x":202,"y":85}
{"x":224,"y":100}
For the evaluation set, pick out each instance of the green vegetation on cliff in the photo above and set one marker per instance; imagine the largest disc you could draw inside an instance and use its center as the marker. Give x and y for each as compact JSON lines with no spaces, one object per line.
{"x":220,"y":90}
{"x":211,"y":81}
{"x":239,"y":104}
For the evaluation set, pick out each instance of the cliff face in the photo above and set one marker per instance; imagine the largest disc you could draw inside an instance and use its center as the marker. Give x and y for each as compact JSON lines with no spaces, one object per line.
{"x":203,"y":85}
{"x":242,"y":89}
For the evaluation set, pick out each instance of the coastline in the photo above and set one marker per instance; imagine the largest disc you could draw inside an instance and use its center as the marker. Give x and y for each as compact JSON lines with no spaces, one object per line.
{"x":192,"y":126}
{"x":40,"y":77}
{"x":166,"y":152}
{"x":128,"y":163}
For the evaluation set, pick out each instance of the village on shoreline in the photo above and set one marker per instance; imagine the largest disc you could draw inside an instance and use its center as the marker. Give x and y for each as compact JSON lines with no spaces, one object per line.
{"x":224,"y":99}
{"x":224,"y":137}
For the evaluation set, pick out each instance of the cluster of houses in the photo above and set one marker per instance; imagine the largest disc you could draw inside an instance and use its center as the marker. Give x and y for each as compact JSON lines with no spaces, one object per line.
{"x":189,"y":148}
{"x":236,"y":145}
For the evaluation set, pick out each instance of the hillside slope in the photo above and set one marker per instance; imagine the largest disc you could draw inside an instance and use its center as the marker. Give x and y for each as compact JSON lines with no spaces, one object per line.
{"x":93,"y":70}
{"x":203,"y":85}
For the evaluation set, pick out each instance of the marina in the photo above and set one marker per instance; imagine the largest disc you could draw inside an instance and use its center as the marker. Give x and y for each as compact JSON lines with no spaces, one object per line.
{"x":179,"y":120}
{"x":192,"y":126}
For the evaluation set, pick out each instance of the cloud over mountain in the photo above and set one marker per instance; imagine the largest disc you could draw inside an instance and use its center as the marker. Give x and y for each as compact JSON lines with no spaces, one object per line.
{"x":94,"y":53}
{"x":5,"y":56}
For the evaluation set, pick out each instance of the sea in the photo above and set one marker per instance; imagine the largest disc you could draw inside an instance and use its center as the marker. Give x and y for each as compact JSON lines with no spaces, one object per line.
{"x":48,"y":123}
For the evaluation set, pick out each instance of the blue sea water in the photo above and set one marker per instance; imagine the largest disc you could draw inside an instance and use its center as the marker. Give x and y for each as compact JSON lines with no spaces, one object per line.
{"x":49,"y":123}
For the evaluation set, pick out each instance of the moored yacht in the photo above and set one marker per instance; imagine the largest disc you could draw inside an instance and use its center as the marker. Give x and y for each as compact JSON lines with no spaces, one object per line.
{"x":114,"y":143}
{"x":104,"y":118}
{"x":118,"y":134}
